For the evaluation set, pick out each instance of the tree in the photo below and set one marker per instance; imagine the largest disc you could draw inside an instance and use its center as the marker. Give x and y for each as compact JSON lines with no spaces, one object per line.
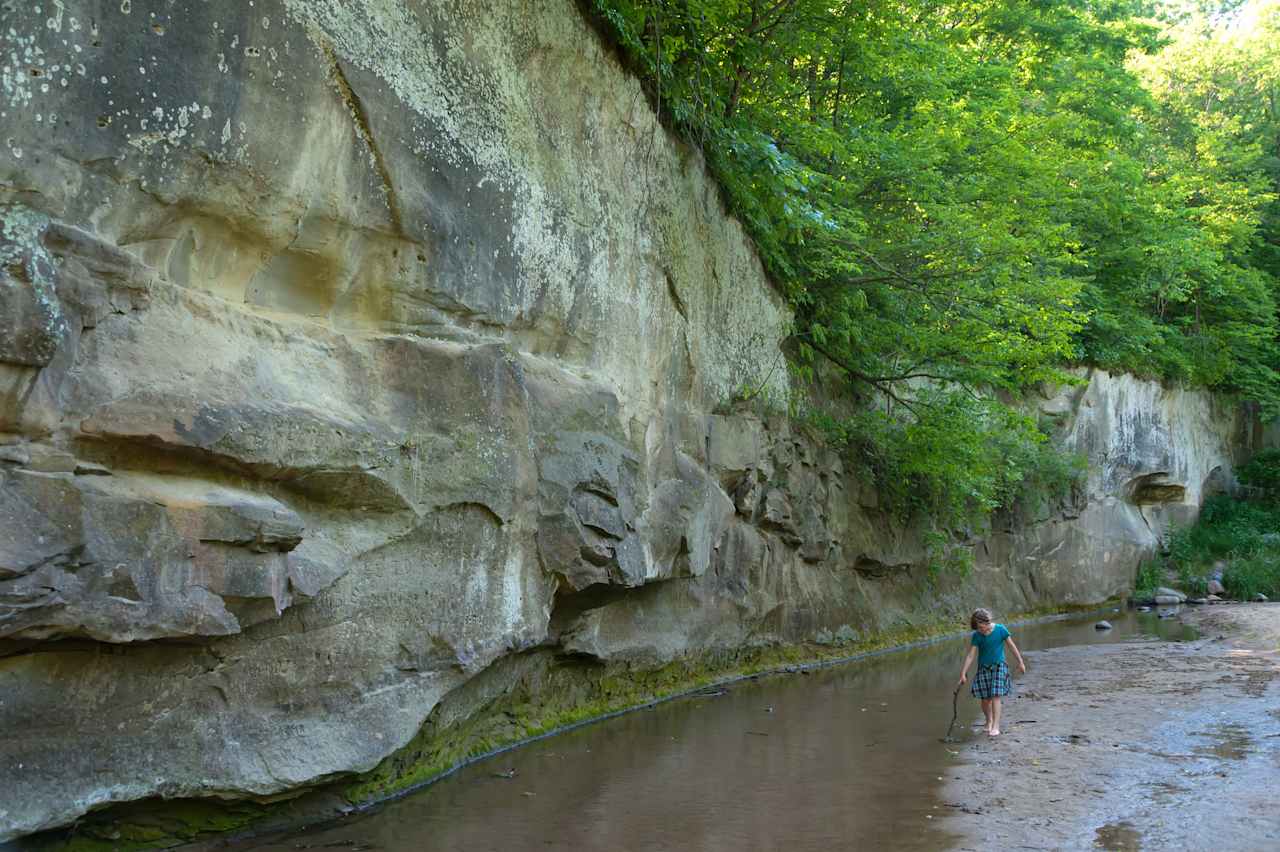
{"x":961,"y":198}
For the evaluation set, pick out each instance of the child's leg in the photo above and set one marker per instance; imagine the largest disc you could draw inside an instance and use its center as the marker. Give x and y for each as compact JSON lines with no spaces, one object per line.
{"x":986,"y":712}
{"x":995,"y":716}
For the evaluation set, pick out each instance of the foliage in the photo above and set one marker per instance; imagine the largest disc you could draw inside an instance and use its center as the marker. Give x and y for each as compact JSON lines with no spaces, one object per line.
{"x":961,"y":198}
{"x":1226,"y":527}
{"x":1150,"y":577}
{"x":924,"y":466}
{"x":1257,"y":572}
{"x":944,"y":556}
{"x":1262,"y":472}
{"x":1207,"y":280}
{"x":1244,"y":534}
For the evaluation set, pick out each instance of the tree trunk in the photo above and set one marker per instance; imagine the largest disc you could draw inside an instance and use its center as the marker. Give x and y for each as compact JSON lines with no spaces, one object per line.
{"x":739,"y":67}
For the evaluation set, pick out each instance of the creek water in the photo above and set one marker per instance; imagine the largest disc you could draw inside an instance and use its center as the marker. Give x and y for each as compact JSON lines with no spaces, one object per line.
{"x":840,"y":758}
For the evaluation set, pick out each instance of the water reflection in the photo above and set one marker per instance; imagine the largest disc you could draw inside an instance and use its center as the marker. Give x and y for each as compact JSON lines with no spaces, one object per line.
{"x":845,"y":757}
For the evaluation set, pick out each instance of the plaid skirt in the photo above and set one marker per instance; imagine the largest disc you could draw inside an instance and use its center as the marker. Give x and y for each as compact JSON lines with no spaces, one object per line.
{"x":991,"y":681}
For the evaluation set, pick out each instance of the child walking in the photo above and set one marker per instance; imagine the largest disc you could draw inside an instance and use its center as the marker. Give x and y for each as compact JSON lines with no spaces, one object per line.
{"x":991,"y":681}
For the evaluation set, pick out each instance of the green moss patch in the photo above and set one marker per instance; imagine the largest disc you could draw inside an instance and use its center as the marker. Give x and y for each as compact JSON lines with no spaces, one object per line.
{"x":150,"y":824}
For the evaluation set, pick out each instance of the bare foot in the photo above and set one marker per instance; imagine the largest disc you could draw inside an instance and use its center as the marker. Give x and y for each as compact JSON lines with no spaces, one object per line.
{"x":995,"y":732}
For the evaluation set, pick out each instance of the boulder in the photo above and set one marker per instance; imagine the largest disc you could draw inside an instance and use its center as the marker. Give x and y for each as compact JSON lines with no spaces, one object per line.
{"x":1260,"y":598}
{"x":1170,"y":593}
{"x":1168,"y":600}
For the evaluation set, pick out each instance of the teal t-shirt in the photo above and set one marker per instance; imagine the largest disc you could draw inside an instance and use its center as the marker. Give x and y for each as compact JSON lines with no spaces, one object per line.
{"x":991,"y":647}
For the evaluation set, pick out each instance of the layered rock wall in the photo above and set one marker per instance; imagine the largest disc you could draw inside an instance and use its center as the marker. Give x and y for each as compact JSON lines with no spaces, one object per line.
{"x":349,"y":348}
{"x":1153,"y":455}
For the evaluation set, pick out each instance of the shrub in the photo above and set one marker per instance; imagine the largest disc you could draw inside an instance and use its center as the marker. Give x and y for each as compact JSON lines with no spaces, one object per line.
{"x":1150,"y":576}
{"x":1244,"y":533}
{"x":1263,"y":473}
{"x":955,"y":458}
{"x":1257,"y":572}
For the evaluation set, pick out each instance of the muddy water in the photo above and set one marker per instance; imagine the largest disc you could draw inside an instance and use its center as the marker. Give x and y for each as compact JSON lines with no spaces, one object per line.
{"x":844,"y":757}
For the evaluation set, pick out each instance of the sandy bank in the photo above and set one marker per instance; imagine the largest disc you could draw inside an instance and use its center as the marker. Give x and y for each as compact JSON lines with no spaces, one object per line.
{"x":1140,"y":745}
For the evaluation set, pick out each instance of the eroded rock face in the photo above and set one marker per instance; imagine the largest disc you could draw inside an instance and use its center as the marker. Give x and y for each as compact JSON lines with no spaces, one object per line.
{"x":808,"y":555}
{"x":124,"y":558}
{"x":337,"y":337}
{"x":1154,"y":454}
{"x":382,"y":343}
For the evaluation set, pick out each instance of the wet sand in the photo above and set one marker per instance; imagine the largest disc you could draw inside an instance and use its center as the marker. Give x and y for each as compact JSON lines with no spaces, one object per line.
{"x":1139,"y":745}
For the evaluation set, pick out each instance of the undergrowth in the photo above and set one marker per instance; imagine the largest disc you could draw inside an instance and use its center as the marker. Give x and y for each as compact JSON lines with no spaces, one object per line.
{"x":1242,"y":534}
{"x":923,"y":467}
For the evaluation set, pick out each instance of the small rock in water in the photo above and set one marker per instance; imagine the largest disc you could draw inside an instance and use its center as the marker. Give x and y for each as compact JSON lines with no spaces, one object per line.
{"x":1102,"y":625}
{"x":1213,"y":599}
{"x":1166,"y":613}
{"x":1216,"y":588}
{"x":1144,"y":609}
{"x":1260,"y":598}
{"x":1198,"y":601}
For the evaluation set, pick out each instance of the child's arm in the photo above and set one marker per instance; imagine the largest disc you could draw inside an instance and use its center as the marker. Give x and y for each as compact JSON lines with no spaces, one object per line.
{"x":1022,"y":666}
{"x":968,"y":661}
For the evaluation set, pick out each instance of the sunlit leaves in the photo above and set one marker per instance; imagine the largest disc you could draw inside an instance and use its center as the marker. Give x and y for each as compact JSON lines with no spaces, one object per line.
{"x":961,"y":198}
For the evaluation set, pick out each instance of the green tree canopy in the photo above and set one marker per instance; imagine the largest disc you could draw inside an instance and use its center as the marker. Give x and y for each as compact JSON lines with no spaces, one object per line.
{"x":962,"y":198}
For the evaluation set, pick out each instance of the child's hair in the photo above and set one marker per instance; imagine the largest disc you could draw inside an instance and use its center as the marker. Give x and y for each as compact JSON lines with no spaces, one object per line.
{"x":980,"y":615}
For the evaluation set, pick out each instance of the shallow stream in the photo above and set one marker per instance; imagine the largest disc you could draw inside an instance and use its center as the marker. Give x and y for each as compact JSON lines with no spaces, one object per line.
{"x":844,"y":757}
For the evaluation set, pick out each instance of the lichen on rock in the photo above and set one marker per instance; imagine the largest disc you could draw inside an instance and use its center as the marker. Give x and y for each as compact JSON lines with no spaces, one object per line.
{"x":31,"y":320}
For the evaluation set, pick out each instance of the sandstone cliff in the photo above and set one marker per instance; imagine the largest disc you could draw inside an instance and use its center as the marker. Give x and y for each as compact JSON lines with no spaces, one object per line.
{"x":352,"y":348}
